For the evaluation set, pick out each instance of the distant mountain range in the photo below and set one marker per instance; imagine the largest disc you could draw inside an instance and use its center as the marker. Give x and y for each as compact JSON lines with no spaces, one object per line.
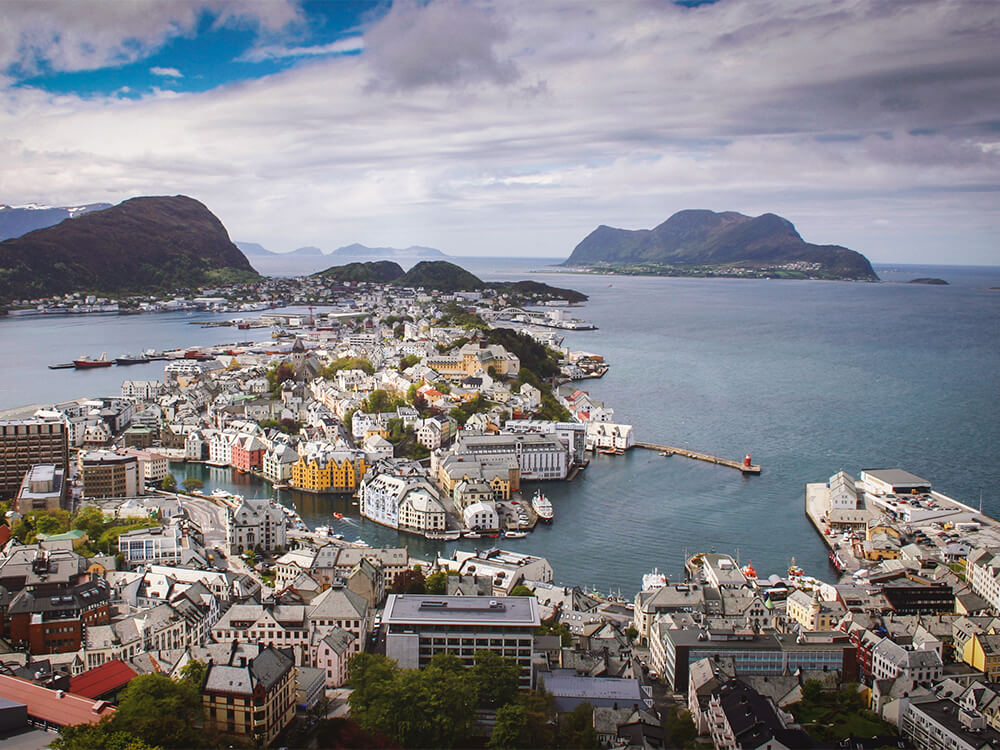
{"x":348,"y":251}
{"x":700,"y":241}
{"x":141,"y":245}
{"x":19,"y":220}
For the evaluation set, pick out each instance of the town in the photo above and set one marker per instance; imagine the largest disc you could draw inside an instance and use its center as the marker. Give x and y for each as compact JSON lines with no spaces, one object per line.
{"x":431,"y":410}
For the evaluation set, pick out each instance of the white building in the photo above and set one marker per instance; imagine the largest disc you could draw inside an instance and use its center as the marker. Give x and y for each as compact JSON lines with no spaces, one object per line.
{"x":481,"y":515}
{"x":255,"y":522}
{"x":278,"y":462}
{"x":161,"y":545}
{"x":408,"y":503}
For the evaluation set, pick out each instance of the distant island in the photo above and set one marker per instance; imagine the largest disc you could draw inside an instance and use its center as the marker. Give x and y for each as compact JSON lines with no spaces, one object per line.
{"x":142,"y":245}
{"x":355,"y":250}
{"x":442,"y":276}
{"x":931,"y":281}
{"x":706,"y":243}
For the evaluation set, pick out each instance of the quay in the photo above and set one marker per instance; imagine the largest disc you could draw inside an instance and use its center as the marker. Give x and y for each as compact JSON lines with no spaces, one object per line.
{"x":670,"y":451}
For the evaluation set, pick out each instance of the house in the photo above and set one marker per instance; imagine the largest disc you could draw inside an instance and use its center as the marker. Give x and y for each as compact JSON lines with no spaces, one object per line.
{"x":255,"y":523}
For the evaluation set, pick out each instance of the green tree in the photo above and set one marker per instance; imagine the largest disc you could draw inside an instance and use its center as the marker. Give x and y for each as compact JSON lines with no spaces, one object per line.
{"x":812,"y":691}
{"x":410,"y":582}
{"x":521,"y":590}
{"x":193,"y":674}
{"x":90,"y":520}
{"x":408,"y":361}
{"x":168,"y":483}
{"x":436,"y":583}
{"x":496,"y":678}
{"x":631,"y":633}
{"x":192,"y":483}
{"x":511,"y":729}
{"x":681,"y":729}
{"x":576,"y":730}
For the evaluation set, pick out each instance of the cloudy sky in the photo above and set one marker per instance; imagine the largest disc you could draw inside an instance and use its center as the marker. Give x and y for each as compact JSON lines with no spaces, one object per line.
{"x":515,"y":127}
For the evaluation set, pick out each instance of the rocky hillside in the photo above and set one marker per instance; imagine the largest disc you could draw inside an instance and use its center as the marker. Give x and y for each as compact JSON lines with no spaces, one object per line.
{"x":140,"y":245}
{"x":700,"y":238}
{"x":375,"y":272}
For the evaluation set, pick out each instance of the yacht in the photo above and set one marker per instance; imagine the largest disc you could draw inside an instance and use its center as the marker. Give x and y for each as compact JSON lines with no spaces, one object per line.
{"x":654,"y":579}
{"x":541,"y":505}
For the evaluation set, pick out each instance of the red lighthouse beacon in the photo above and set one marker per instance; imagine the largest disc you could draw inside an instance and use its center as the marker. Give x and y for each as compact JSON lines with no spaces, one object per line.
{"x":746,"y":461}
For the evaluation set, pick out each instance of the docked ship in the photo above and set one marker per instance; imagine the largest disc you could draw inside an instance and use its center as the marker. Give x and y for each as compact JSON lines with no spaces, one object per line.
{"x":541,"y":505}
{"x":131,"y":359}
{"x":86,"y":362}
{"x":654,"y":579}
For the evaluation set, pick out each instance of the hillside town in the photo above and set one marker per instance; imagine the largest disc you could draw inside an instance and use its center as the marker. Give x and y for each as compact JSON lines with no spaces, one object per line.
{"x":435,"y":412}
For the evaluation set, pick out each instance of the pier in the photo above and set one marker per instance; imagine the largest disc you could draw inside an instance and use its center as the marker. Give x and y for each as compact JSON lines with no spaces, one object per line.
{"x":671,"y":451}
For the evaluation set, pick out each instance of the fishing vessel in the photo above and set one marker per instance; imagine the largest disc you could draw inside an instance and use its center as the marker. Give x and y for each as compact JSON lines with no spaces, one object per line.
{"x":541,"y":505}
{"x":86,"y":362}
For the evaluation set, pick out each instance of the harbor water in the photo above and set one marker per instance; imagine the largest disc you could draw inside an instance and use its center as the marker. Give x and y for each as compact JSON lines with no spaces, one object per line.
{"x":808,"y":377}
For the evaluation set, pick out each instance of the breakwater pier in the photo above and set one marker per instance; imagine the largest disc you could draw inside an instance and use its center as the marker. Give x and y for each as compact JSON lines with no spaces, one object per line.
{"x":744,"y":466}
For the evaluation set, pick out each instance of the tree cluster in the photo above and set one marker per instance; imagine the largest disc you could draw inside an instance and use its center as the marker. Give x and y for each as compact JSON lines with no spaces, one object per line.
{"x":348,"y":363}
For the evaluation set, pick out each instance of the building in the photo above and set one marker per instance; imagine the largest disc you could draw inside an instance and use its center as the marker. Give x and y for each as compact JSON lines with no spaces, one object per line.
{"x":50,"y":619}
{"x":332,"y":654}
{"x":255,"y":523}
{"x":882,"y":482}
{"x":250,"y":696}
{"x":248,"y":453}
{"x":945,"y":725}
{"x":325,"y":470}
{"x":740,"y":717}
{"x":25,"y":443}
{"x":408,"y":503}
{"x":160,"y":544}
{"x":673,"y":650}
{"x":813,"y":613}
{"x":53,"y":709}
{"x":538,"y":456}
{"x":107,"y":474}
{"x":419,"y":626}
{"x":43,"y":488}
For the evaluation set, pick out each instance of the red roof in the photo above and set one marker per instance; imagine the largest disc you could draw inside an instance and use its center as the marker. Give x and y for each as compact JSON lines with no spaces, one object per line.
{"x":4,"y":534}
{"x":102,"y":680}
{"x":53,"y":706}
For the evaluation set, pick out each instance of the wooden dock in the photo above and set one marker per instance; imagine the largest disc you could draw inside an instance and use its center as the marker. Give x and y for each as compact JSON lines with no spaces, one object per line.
{"x":671,"y":451}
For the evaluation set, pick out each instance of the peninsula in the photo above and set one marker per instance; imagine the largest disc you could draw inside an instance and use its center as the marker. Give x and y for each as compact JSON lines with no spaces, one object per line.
{"x":706,"y":243}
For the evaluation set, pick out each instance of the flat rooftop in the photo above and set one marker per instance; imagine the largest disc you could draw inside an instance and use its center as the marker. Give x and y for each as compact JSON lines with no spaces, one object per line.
{"x":422,"y":609}
{"x":897,"y":477}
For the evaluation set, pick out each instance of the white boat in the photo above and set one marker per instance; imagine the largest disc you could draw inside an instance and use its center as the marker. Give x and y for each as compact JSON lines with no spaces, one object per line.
{"x":515,"y":534}
{"x":653,"y":580}
{"x":541,"y":505}
{"x":220,"y":493}
{"x":472,"y":535}
{"x":447,"y":536}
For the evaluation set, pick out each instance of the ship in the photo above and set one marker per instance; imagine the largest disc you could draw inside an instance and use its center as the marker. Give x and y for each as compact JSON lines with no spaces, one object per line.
{"x":541,"y":505}
{"x":86,"y":362}
{"x":654,"y":579}
{"x":130,"y":359}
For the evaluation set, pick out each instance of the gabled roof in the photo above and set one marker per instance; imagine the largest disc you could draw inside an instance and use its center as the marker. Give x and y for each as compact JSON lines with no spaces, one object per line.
{"x":102,"y":680}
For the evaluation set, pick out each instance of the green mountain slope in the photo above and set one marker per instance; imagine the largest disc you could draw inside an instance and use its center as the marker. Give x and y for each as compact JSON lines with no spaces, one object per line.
{"x":376,"y":272}
{"x":706,"y":238}
{"x":141,"y":245}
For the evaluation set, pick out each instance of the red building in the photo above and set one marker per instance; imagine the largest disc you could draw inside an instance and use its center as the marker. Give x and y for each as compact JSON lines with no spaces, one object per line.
{"x":248,"y":453}
{"x":50,"y":620}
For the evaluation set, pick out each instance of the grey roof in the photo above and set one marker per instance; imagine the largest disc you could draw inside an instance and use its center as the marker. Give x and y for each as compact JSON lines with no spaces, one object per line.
{"x":897,"y":477}
{"x":426,"y":609}
{"x":338,"y":604}
{"x":339,"y":640}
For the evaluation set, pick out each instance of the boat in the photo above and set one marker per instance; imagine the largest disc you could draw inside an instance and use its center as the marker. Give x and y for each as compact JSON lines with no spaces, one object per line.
{"x":472,"y":535}
{"x":130,"y":359}
{"x":338,"y":516}
{"x":515,"y":534}
{"x":86,"y":362}
{"x":654,"y":579}
{"x":447,"y":536}
{"x":359,"y":542}
{"x":541,"y":505}
{"x":62,"y":366}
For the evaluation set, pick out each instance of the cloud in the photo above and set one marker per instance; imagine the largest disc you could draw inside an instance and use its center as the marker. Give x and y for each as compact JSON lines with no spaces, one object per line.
{"x":519,"y":125}
{"x":445,"y":42}
{"x":277,"y":51}
{"x":167,"y":72}
{"x":64,"y":35}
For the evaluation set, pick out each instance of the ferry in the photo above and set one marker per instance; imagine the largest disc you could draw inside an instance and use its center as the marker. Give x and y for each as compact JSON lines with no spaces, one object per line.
{"x":86,"y":362}
{"x":541,"y":505}
{"x":654,"y":579}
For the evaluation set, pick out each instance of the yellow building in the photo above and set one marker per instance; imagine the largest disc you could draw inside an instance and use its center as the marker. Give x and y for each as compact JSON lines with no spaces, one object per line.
{"x":812,"y":613}
{"x":474,"y":358}
{"x":982,"y":652}
{"x":329,"y":471}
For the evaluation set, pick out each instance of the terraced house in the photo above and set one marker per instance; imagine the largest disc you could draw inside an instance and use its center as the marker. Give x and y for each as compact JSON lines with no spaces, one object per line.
{"x":329,"y":470}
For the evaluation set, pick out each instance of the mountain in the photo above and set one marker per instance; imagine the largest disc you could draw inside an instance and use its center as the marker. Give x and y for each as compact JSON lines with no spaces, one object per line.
{"x":140,"y":245}
{"x":705,"y":238}
{"x":253,"y":249}
{"x":358,"y":250}
{"x":376,"y":272}
{"x":308,"y":251}
{"x":442,"y":276}
{"x":19,"y":220}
